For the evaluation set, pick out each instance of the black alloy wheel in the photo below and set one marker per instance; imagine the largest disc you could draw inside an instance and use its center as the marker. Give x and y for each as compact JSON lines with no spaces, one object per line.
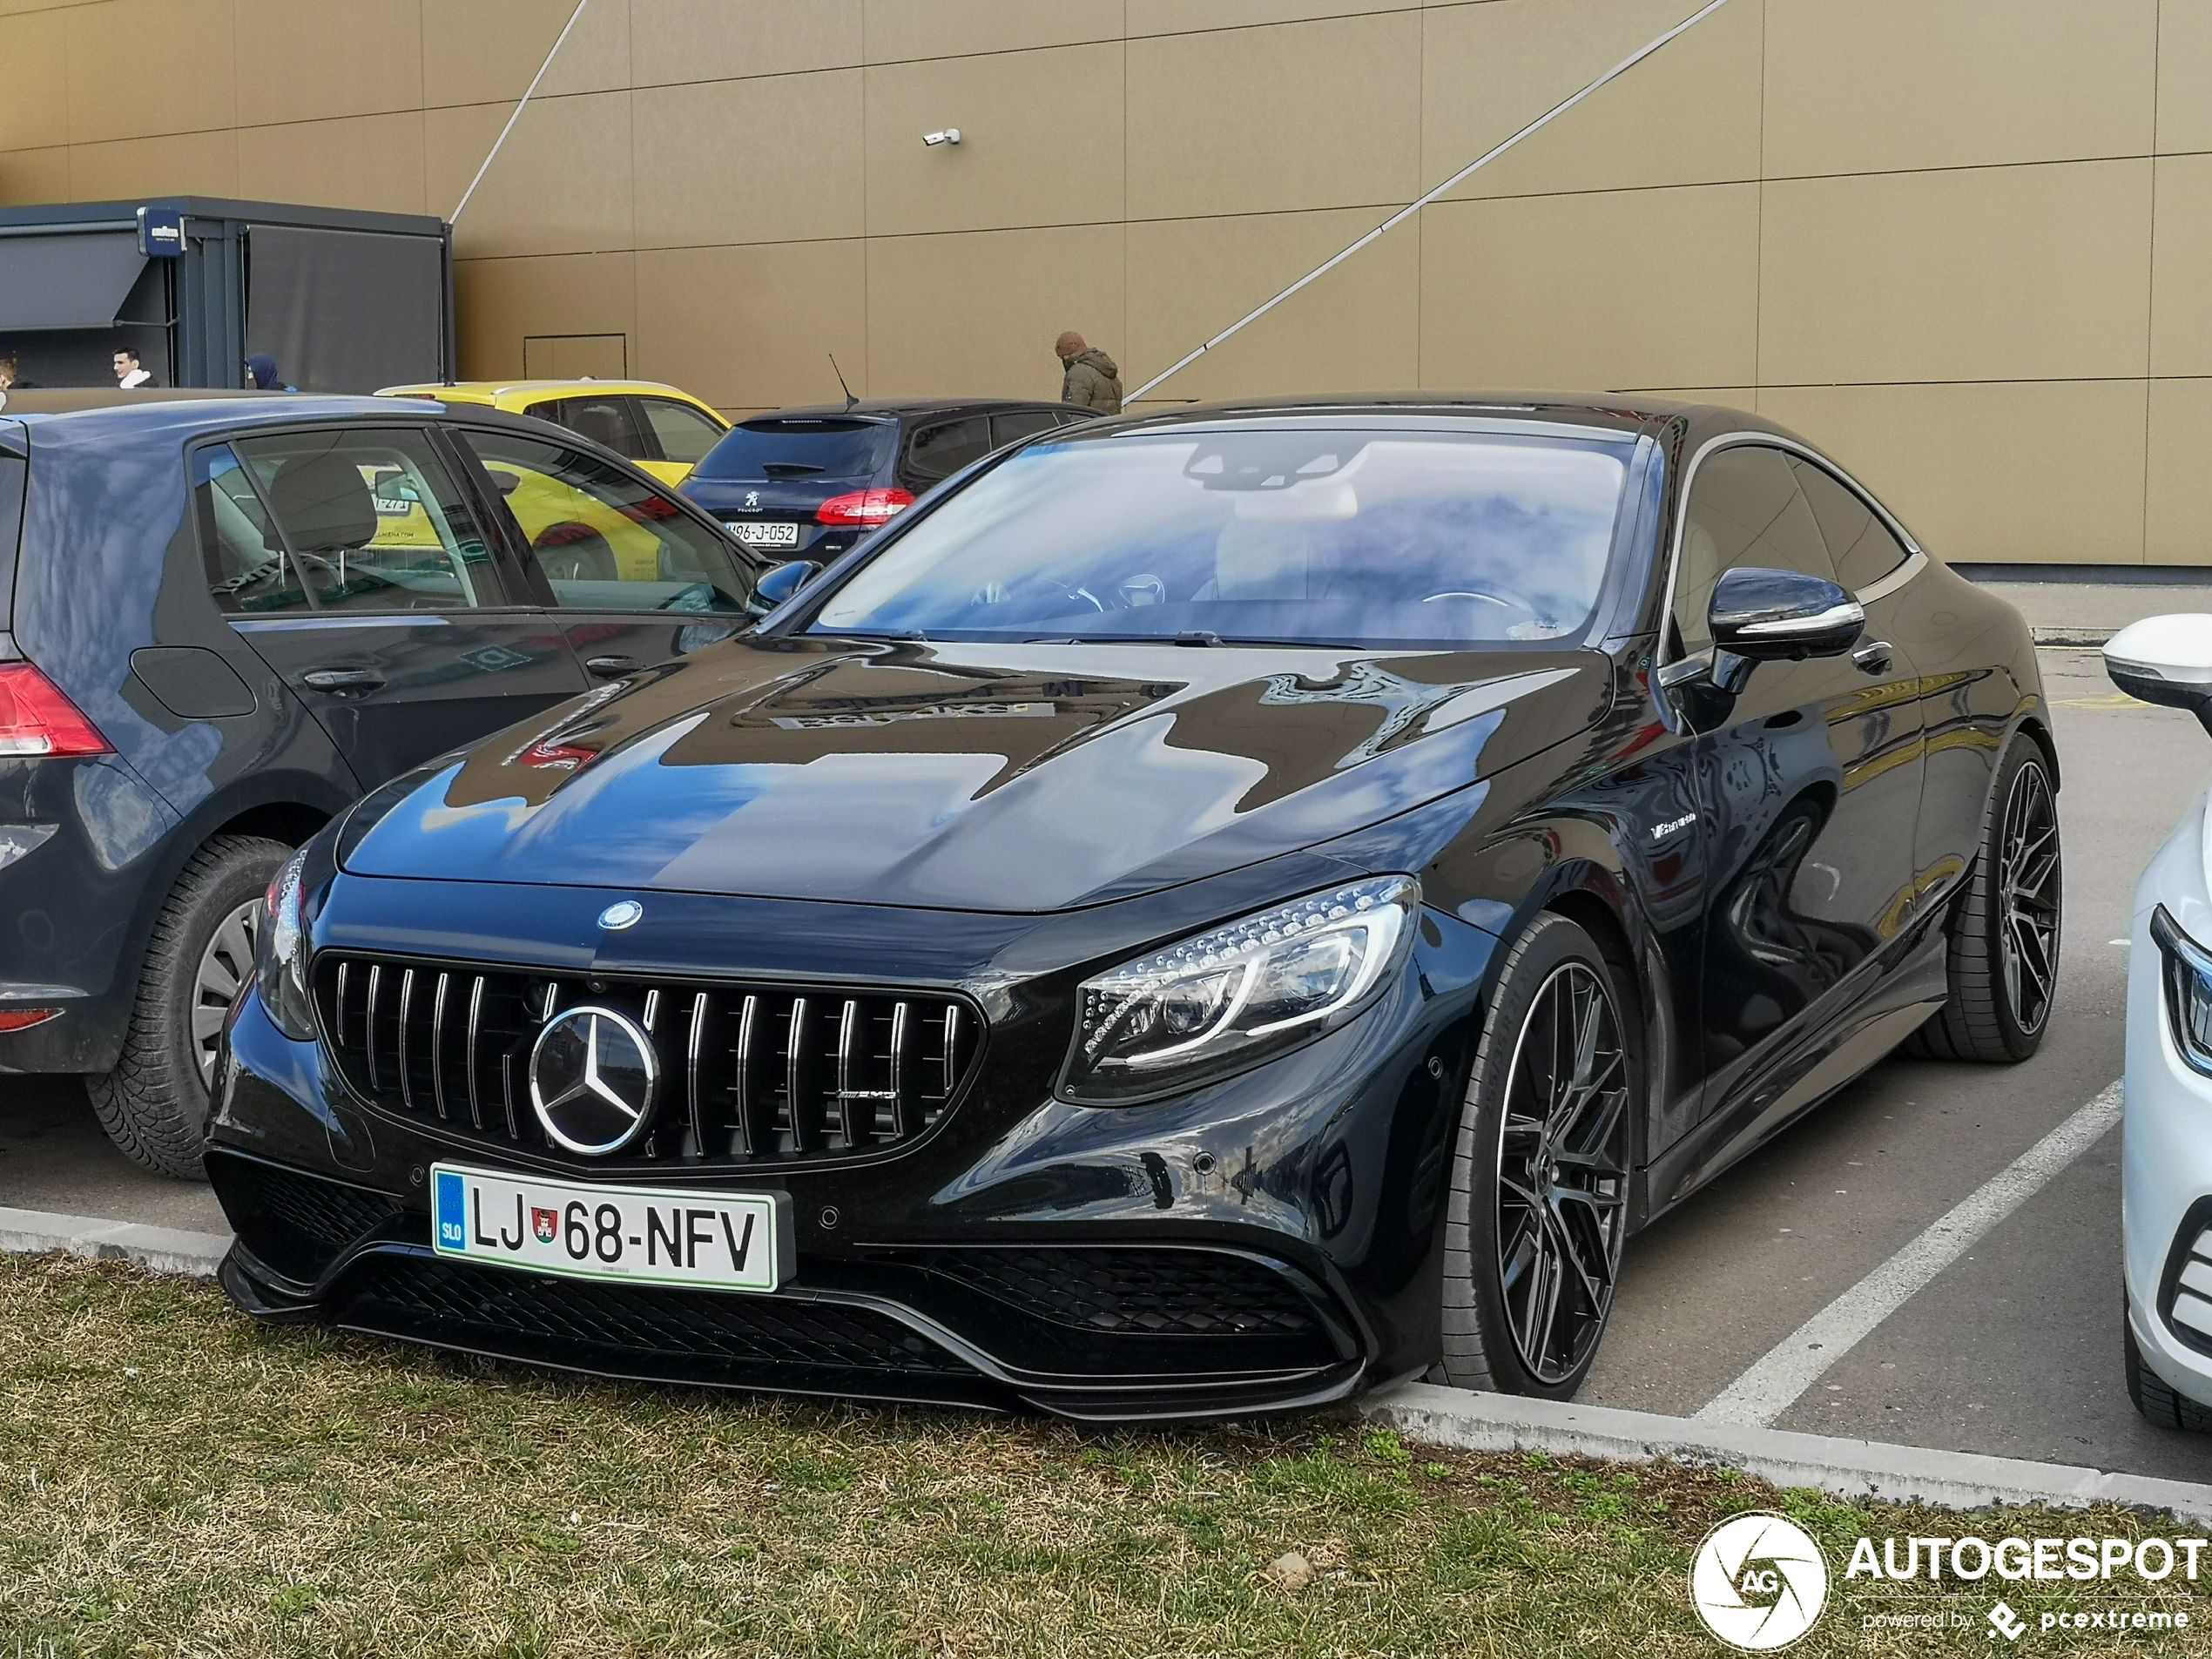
{"x":2028,"y":870}
{"x":1539,"y":1207}
{"x":2003,"y":927}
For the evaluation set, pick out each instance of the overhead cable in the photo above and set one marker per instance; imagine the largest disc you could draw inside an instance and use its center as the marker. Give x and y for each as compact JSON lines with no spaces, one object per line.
{"x":1411,"y":208}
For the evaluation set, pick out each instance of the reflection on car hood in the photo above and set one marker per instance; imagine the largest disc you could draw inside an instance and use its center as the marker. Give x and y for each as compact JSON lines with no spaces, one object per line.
{"x":983,"y":777}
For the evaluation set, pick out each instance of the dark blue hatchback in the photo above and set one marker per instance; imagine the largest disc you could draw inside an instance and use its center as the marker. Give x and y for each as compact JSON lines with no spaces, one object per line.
{"x":808,"y":484}
{"x":221,"y":620}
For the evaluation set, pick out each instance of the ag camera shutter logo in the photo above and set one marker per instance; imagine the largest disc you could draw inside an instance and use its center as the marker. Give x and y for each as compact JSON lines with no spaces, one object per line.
{"x":1759,"y":1581}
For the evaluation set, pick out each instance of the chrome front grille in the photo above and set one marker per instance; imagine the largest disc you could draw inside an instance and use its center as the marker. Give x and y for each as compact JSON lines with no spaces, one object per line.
{"x":750,"y":1074}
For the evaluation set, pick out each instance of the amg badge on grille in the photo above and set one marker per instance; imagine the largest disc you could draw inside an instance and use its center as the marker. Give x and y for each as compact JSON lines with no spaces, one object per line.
{"x":593,"y":1076}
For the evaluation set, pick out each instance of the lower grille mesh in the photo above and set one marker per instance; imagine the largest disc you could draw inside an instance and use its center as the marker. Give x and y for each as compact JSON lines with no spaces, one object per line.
{"x":1185,"y":1292}
{"x":405,"y":1295}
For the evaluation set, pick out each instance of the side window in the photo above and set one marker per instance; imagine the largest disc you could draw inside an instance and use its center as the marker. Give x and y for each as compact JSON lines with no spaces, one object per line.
{"x":1006,"y":429}
{"x":941,"y":450}
{"x":1861,"y":545}
{"x":248,"y":568}
{"x":362,"y":520}
{"x":605,"y":540}
{"x":686,"y":434}
{"x":1744,"y":508}
{"x":603,"y":419}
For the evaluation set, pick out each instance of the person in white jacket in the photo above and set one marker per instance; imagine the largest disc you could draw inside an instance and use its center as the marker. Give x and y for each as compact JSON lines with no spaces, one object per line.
{"x":128,"y":373}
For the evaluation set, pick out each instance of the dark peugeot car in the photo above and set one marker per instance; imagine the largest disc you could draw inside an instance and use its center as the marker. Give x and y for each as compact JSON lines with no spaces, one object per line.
{"x":808,"y":484}
{"x":220,"y":621}
{"x":1210,"y":910}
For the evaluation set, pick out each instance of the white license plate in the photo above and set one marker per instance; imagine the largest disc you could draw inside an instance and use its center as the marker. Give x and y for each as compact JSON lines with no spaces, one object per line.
{"x":766,"y":534}
{"x":726,"y":1241}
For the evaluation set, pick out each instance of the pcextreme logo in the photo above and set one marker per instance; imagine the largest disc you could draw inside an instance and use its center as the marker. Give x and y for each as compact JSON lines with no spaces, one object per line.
{"x":1759,"y":1581}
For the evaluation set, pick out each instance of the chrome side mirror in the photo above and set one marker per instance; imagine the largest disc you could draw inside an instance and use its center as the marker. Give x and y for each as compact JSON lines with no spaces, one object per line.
{"x":2167,"y":660}
{"x":1782,"y":616}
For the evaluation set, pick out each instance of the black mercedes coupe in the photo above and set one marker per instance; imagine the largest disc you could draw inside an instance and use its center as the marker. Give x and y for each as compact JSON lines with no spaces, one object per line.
{"x":1205,"y":912}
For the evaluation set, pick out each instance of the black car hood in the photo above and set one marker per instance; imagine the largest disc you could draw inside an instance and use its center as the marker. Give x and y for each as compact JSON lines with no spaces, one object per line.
{"x":975,"y":776}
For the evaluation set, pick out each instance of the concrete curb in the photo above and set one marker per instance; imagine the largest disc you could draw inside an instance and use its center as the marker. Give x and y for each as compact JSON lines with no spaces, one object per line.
{"x":164,"y":1250}
{"x":1478,"y":1422}
{"x":2067,"y":635}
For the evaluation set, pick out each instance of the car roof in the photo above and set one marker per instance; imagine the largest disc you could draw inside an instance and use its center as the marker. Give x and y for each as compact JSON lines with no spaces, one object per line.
{"x":176,"y":419}
{"x":484,"y":391}
{"x":901,"y":409}
{"x":1624,"y":412}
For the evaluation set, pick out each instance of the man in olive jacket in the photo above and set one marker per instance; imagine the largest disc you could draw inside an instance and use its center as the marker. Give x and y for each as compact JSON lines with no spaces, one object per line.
{"x":1089,"y":379}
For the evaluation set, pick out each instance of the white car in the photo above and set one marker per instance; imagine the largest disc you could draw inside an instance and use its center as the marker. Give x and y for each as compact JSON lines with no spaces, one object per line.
{"x":2165,"y":1190}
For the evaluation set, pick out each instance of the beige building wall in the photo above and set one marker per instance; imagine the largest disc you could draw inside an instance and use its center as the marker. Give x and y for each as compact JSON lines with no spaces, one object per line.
{"x":1963,"y":243}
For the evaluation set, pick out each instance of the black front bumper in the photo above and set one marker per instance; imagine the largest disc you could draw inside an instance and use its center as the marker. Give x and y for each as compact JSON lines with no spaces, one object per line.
{"x":1273,"y":1241}
{"x":1093,"y":1332}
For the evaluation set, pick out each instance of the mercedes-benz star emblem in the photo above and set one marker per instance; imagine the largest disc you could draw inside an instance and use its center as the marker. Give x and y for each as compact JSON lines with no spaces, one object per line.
{"x":624,"y":913}
{"x":593,"y":1077}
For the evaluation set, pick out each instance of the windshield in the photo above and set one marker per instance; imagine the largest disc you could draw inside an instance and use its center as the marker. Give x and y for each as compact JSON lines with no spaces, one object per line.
{"x":1299,"y":537}
{"x":759,"y":451}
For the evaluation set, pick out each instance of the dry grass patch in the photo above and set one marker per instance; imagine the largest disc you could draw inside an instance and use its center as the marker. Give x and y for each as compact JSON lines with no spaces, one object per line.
{"x":176,"y":1479}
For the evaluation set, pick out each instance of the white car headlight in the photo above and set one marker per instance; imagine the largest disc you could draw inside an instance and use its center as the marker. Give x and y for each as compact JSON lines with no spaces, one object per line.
{"x":282,"y":971}
{"x":1234,"y":995}
{"x":2187,"y":975}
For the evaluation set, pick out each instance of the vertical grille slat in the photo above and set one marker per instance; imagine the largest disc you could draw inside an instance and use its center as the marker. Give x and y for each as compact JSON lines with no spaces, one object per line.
{"x":368,"y":1026}
{"x":438,"y":1046}
{"x":901,"y":1069}
{"x":744,"y":1102}
{"x":476,"y":1029}
{"x":750,"y":1076}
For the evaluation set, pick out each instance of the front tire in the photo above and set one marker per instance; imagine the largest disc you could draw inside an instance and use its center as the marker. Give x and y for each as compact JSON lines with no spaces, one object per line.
{"x":2003,"y":927}
{"x":1538,"y":1209}
{"x":154,"y":1104}
{"x":2158,"y":1403}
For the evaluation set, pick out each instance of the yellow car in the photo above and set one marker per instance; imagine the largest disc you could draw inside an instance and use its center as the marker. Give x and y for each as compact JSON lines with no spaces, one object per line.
{"x":665,"y":431}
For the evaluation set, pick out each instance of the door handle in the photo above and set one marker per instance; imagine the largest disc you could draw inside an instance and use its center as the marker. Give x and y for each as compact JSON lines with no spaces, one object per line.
{"x":1872,"y":657}
{"x":608,"y":668}
{"x":343,"y":679}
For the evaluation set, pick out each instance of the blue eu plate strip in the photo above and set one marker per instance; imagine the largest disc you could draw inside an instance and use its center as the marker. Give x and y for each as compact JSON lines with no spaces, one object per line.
{"x":452,"y":1211}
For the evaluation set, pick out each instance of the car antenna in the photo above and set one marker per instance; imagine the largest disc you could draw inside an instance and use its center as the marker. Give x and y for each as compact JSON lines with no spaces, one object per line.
{"x":849,"y":399}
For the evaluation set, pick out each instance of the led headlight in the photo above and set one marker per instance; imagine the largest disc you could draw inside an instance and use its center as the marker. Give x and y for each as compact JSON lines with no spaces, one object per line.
{"x":1234,"y":995}
{"x":281,"y":972}
{"x":2188,"y":989}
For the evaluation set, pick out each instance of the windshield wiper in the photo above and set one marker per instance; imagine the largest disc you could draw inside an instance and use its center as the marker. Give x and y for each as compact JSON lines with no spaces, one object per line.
{"x":1198,"y":636}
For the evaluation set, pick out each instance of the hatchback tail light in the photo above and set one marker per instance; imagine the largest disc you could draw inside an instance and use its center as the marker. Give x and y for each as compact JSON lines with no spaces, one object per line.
{"x":869,"y":507}
{"x":23,"y":1019}
{"x":36,"y":719}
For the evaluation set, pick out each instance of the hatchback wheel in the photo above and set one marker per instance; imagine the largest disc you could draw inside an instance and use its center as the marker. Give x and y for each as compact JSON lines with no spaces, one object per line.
{"x":1539,"y":1181}
{"x":2158,"y":1403}
{"x":2004,"y":924}
{"x":154,"y":1104}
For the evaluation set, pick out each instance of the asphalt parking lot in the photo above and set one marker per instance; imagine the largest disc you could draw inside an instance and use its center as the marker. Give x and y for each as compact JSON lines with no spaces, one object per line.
{"x":2012,"y":1350}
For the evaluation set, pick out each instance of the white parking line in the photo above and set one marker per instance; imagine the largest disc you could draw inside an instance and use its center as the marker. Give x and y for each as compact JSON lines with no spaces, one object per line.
{"x":1767,"y":1389}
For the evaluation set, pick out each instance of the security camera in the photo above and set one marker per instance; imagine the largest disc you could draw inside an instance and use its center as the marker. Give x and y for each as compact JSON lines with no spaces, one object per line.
{"x":950,"y":135}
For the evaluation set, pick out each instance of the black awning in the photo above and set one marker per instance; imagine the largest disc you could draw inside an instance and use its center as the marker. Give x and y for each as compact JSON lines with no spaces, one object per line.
{"x":70,"y":281}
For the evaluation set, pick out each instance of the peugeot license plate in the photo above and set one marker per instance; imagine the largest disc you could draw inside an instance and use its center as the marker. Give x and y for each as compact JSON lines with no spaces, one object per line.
{"x":766,"y":534}
{"x":723,"y":1241}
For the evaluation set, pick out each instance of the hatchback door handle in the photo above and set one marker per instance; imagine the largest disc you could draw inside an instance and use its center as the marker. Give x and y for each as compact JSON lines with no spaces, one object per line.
{"x":343,"y":679}
{"x":1873,"y":657}
{"x":608,"y":667}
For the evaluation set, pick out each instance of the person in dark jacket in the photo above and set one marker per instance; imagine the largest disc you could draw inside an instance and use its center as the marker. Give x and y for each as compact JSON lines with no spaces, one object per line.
{"x":1087,"y":378}
{"x":261,"y":374}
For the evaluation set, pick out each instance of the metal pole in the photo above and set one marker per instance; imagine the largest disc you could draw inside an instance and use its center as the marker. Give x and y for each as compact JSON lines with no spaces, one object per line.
{"x":1407,"y":212}
{"x":558,"y":42}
